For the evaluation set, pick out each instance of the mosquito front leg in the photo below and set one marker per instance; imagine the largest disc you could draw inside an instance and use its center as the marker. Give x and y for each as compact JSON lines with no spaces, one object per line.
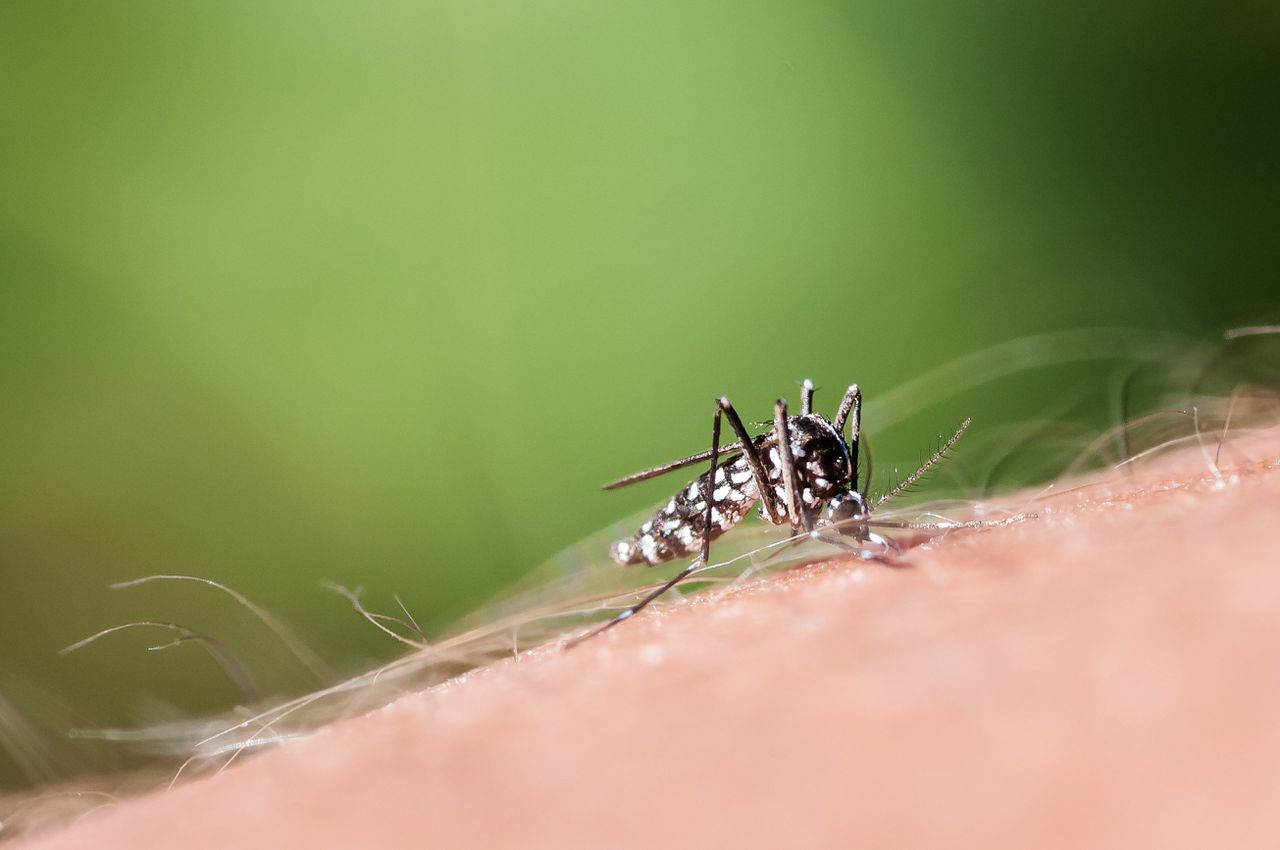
{"x":752,"y":454}
{"x":709,"y":486}
{"x":797,"y":511}
{"x":851,"y":404}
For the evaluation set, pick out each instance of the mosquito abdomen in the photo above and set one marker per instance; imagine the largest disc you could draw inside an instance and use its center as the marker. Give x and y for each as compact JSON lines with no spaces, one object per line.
{"x":678,"y":528}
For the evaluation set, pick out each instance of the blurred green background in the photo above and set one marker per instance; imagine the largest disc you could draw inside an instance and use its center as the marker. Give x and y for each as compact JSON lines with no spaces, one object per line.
{"x":381,"y":293}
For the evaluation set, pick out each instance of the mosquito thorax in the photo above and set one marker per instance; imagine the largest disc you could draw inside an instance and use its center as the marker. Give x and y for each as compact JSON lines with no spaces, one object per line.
{"x":821,"y":456}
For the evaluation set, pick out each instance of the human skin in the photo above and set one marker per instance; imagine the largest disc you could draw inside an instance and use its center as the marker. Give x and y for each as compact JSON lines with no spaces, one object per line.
{"x":1106,"y":674}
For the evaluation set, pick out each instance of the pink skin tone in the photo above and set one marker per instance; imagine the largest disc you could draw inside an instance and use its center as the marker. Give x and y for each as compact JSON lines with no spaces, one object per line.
{"x":1106,"y":675}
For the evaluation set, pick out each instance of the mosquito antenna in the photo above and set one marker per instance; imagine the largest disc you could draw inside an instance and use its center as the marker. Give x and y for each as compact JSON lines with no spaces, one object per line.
{"x":906,"y":483}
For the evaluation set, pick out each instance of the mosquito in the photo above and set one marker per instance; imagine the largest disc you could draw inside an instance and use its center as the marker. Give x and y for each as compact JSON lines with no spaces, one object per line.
{"x":803,"y":472}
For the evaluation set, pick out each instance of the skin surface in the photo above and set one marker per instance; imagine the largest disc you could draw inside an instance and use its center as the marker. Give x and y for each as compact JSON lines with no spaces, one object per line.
{"x":1105,"y":675}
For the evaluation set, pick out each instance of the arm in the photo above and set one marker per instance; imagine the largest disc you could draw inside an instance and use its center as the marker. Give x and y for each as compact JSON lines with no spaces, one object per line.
{"x":1107,"y":675}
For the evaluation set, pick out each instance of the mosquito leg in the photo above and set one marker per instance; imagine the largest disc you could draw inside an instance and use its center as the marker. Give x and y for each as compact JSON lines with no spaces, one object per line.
{"x":637,"y":608}
{"x":851,"y":404}
{"x":797,"y":512}
{"x":708,"y":494}
{"x":753,"y":461}
{"x":786,"y":463}
{"x":806,"y":398}
{"x":709,"y":487}
{"x":860,"y":552}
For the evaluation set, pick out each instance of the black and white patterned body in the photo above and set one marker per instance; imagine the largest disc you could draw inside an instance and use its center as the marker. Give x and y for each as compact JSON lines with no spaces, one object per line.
{"x":803,"y":465}
{"x":824,"y":472}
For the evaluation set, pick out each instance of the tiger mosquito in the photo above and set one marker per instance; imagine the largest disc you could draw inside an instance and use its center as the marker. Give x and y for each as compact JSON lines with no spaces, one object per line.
{"x":793,"y":470}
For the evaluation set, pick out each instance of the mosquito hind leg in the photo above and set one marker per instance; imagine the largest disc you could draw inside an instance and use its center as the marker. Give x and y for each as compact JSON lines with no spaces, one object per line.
{"x":707,"y":485}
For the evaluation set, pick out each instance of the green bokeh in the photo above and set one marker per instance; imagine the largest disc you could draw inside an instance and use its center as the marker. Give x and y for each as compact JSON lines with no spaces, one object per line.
{"x":380,"y":293}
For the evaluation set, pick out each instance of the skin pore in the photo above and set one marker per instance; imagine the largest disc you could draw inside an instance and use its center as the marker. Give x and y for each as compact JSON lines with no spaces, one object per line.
{"x":1104,"y":675}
